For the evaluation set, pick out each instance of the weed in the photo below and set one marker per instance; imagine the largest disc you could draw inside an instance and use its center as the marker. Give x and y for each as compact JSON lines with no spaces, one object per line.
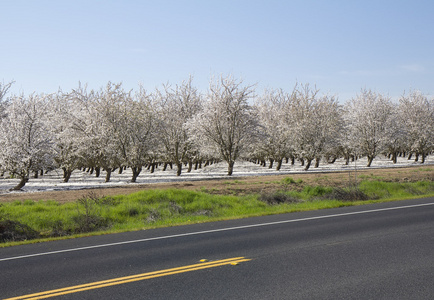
{"x":153,"y":216}
{"x":203,"y":212}
{"x":175,"y":208}
{"x":422,"y":170}
{"x":232,"y":182}
{"x":16,"y":231}
{"x":287,"y":180}
{"x":51,"y":203}
{"x":326,"y":178}
{"x":277,"y":198}
{"x":132,"y":211}
{"x":316,"y":191}
{"x":111,"y":201}
{"x":347,"y":195}
{"x":28,"y":202}
{"x":89,"y":217}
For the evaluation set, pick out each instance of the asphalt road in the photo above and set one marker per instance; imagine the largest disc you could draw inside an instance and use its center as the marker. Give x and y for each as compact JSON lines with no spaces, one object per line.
{"x":381,"y":251}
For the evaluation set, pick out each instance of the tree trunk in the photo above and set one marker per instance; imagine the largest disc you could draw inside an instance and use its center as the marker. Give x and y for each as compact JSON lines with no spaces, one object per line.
{"x":66,"y":175}
{"x":423,"y":158}
{"x":279,"y":164}
{"x":370,"y":159}
{"x":152,"y":167}
{"x":108,"y":174}
{"x":308,"y":163}
{"x":20,"y":185}
{"x":136,"y":172}
{"x":271,"y":163}
{"x":230,"y":167}
{"x":394,"y":157}
{"x":178,"y":168}
{"x":302,"y":162}
{"x":190,"y":166}
{"x":317,"y":160}
{"x":97,"y":171}
{"x":416,"y":159}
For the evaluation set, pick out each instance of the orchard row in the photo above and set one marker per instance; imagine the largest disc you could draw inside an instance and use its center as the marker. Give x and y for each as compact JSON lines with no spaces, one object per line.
{"x":113,"y":128}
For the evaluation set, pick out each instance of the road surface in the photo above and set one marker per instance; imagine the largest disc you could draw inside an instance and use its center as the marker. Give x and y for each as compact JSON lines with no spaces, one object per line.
{"x":379,"y":251}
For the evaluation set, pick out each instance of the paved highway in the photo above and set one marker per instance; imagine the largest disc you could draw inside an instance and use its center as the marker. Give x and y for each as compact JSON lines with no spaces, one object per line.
{"x":381,"y":251}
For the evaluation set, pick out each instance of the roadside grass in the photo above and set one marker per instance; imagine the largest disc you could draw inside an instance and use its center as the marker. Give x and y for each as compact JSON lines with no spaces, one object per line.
{"x":396,"y":190}
{"x":422,"y":170}
{"x":90,"y":215}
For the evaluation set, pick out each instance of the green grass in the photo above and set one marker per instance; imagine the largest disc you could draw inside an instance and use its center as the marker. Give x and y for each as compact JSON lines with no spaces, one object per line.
{"x":422,"y":170}
{"x":160,"y":208}
{"x":398,"y":190}
{"x":372,"y":177}
{"x":288,"y":180}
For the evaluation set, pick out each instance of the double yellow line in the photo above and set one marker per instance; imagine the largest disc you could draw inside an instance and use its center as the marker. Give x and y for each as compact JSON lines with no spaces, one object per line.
{"x":132,"y":278}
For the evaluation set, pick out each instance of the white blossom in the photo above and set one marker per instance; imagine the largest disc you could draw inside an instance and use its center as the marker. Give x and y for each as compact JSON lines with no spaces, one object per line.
{"x":25,"y":137}
{"x":227,"y":125}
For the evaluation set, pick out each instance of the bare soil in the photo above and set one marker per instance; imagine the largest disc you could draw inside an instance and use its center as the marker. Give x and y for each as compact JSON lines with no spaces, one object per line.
{"x":244,"y":185}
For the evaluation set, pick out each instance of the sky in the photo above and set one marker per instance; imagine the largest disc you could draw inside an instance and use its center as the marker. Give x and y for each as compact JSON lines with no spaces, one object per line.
{"x":341,"y":46}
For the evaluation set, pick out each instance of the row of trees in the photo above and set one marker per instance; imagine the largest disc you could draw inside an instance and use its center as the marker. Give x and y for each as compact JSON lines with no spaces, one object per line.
{"x":111,"y":128}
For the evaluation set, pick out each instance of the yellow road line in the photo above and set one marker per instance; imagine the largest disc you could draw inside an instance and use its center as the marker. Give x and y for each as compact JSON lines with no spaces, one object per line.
{"x":126,"y":279}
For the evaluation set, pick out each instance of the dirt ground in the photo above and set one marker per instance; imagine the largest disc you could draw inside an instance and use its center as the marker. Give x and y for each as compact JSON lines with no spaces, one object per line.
{"x":244,"y":185}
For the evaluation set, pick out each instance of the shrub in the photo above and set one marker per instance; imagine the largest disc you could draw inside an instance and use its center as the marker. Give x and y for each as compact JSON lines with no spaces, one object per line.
{"x":347,"y":195}
{"x":15,"y":231}
{"x":288,"y":180}
{"x":175,"y":208}
{"x":88,"y":216}
{"x":317,"y":191}
{"x":88,"y":223}
{"x":153,"y":216}
{"x":277,"y":198}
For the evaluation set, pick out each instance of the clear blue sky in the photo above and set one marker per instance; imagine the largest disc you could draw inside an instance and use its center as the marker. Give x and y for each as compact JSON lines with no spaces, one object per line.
{"x":341,"y":46}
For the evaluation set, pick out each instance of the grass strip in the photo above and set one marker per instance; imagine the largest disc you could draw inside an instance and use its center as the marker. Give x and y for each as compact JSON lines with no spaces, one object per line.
{"x":30,"y":221}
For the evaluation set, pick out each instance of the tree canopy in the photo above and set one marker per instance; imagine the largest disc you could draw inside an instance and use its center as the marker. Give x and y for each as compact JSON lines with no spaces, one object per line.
{"x":111,"y":129}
